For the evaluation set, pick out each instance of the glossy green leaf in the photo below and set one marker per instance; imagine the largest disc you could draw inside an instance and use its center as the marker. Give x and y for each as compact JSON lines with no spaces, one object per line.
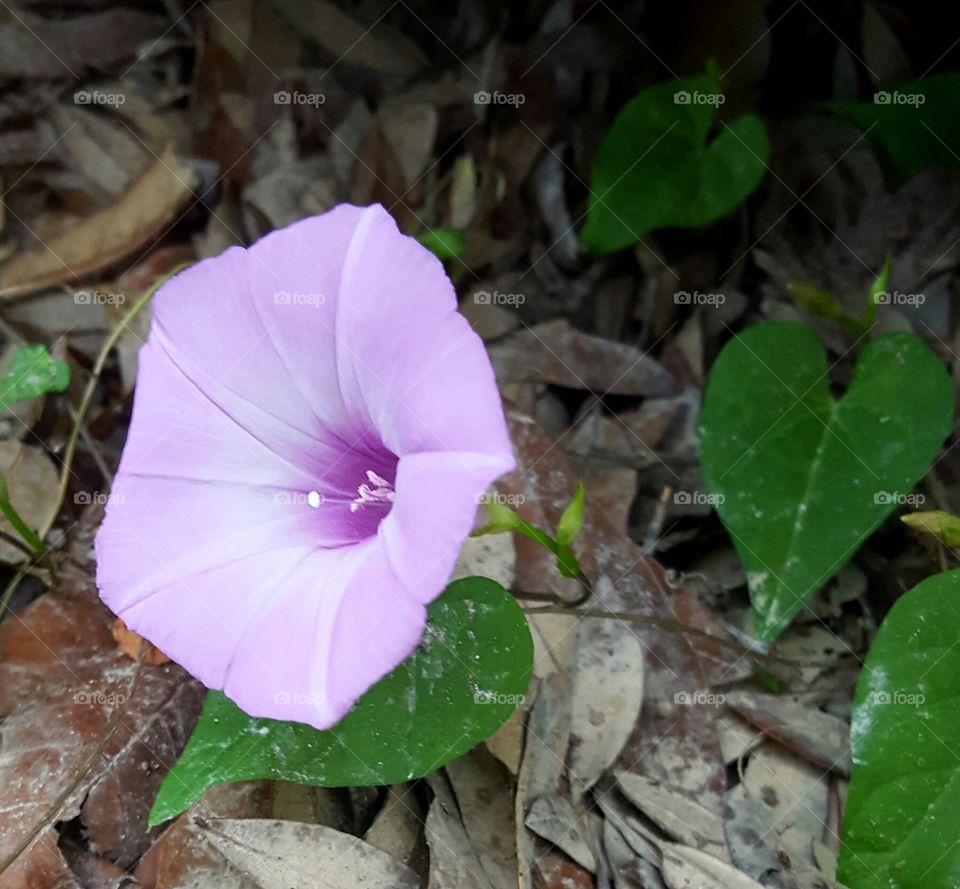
{"x":33,"y":373}
{"x":914,"y":125}
{"x":902,"y":816}
{"x":467,"y":676}
{"x":800,"y":480}
{"x":657,"y":168}
{"x":445,"y":243}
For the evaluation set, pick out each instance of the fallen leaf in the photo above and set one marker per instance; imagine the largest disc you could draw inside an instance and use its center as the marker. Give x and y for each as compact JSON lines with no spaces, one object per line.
{"x":396,"y":829}
{"x":676,"y":814}
{"x":484,"y":791}
{"x":287,"y":855}
{"x":806,"y":730}
{"x":554,"y":352}
{"x":141,"y":215}
{"x":684,"y":868}
{"x":379,"y":48}
{"x":132,"y":644}
{"x":63,"y":683}
{"x":35,"y":47}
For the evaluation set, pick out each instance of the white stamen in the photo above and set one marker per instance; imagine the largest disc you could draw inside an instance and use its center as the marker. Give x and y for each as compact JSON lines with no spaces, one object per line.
{"x":314,"y":499}
{"x":381,"y":492}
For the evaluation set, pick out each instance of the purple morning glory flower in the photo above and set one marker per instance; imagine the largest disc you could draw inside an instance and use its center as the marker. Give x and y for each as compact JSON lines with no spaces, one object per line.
{"x":313,"y":425}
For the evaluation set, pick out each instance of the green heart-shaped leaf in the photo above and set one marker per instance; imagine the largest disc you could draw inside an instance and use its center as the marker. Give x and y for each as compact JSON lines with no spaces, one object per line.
{"x":33,"y":373}
{"x":800,"y":480}
{"x":915,"y":126}
{"x":466,"y":677}
{"x":656,"y":169}
{"x":902,"y":816}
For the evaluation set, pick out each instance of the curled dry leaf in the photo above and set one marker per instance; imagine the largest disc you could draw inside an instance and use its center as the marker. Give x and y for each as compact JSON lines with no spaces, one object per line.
{"x":141,"y":215}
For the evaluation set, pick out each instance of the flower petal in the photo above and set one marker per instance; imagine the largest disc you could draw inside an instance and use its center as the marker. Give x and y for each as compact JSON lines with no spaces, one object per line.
{"x":438,"y":496}
{"x":289,"y":634}
{"x":404,"y":352}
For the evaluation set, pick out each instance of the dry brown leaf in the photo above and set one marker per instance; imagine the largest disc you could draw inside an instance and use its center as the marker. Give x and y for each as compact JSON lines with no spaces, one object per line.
{"x":131,"y":644}
{"x":183,"y":857}
{"x":816,"y":736}
{"x":62,"y":684}
{"x":684,"y":868}
{"x":554,"y":352}
{"x":36,"y":47}
{"x":556,"y":871}
{"x":381,"y":49}
{"x":42,"y":866}
{"x":484,"y":793}
{"x":454,"y":861}
{"x":396,"y":829}
{"x":676,"y":814}
{"x":554,"y":819}
{"x":287,"y":855}
{"x":140,"y":216}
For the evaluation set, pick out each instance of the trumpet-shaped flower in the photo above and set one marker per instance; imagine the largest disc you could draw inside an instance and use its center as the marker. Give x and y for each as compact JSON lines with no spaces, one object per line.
{"x":312,"y":428}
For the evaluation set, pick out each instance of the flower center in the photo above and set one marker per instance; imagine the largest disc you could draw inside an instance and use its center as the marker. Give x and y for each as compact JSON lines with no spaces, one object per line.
{"x":378,"y":491}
